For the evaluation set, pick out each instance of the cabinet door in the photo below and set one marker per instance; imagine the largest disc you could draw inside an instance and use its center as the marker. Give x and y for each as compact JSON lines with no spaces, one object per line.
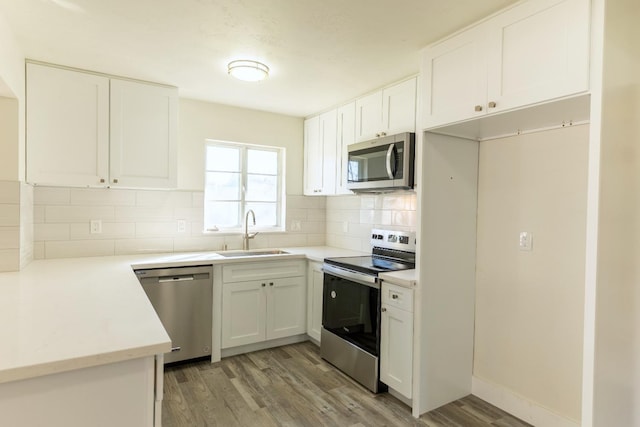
{"x":286,"y":307}
{"x":369,"y":116}
{"x":315,"y":279}
{"x":399,"y":108}
{"x":455,"y":78}
{"x":328,"y":136}
{"x":143,"y":135}
{"x":346,"y":136}
{"x":243,"y":313}
{"x":67,"y":127}
{"x":539,"y":51}
{"x":396,"y":349}
{"x":313,"y":161}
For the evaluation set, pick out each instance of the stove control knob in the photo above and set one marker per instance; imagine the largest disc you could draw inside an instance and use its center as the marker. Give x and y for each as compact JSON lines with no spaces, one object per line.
{"x":333,"y":294}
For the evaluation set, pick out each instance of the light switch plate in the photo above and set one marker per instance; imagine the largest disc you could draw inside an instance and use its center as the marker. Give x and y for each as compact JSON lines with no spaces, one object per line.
{"x":526,"y":241}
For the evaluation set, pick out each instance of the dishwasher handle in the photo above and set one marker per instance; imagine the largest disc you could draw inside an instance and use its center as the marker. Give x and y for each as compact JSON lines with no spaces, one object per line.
{"x":173,"y":279}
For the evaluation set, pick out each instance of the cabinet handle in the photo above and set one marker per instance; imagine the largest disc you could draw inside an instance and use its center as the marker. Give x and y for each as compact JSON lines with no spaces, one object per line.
{"x":264,"y":284}
{"x":102,"y":180}
{"x":115,"y":180}
{"x":478,"y":108}
{"x":492,"y":104}
{"x":270,"y":283}
{"x":383,"y":309}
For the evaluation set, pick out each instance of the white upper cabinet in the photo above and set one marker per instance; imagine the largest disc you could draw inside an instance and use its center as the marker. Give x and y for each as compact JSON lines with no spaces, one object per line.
{"x":455,"y":78}
{"x":67,"y":127}
{"x":369,"y":116}
{"x":88,"y":130}
{"x":312,"y":156}
{"x":386,"y":112}
{"x":535,"y":52}
{"x":143,"y":135}
{"x":346,"y":136}
{"x":320,"y":154}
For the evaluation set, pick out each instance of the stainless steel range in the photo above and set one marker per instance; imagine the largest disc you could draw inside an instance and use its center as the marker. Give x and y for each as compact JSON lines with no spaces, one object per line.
{"x":350,"y":335}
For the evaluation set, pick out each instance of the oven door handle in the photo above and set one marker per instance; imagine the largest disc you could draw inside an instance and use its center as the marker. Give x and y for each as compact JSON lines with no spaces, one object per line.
{"x":363,"y":279}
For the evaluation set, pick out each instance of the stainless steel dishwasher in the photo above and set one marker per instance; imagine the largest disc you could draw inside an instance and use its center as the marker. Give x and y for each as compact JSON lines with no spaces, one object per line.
{"x":182,"y":297}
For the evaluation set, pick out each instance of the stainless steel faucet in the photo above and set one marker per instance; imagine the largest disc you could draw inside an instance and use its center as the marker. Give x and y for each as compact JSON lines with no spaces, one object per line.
{"x":247,"y":235}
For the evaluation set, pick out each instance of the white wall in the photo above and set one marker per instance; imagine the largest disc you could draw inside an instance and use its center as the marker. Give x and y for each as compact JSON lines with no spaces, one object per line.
{"x":616,"y":314}
{"x":15,"y":204}
{"x":201,"y":120}
{"x":529,"y":305}
{"x":9,"y":139}
{"x":11,"y":114}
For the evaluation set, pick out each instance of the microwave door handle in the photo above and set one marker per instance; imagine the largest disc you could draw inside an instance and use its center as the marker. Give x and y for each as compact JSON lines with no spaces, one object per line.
{"x":390,"y":172}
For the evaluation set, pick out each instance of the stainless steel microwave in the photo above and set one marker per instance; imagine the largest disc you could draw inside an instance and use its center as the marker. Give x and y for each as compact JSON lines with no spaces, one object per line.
{"x":383,"y":164}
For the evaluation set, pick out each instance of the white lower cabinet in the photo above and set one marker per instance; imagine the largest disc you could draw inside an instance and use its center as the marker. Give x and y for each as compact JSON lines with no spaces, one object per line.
{"x":315,"y":278}
{"x":396,"y":338}
{"x":123,"y":394}
{"x":264,"y":309}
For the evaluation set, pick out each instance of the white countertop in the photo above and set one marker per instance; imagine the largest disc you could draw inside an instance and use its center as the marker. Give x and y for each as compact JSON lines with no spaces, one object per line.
{"x":59,"y":315}
{"x":406,"y":278}
{"x":65,"y":314}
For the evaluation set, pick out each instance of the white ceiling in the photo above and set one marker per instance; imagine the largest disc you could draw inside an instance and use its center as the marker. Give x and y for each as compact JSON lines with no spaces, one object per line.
{"x":321,"y":52}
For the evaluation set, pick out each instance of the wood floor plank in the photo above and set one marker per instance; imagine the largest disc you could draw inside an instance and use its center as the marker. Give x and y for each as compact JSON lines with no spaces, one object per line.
{"x":293,"y":386}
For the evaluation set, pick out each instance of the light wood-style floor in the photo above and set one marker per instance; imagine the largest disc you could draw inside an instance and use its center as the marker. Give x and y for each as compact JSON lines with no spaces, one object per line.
{"x":293,"y":386}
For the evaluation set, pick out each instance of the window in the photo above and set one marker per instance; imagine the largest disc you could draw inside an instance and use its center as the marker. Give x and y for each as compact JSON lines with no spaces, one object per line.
{"x":240,"y":177}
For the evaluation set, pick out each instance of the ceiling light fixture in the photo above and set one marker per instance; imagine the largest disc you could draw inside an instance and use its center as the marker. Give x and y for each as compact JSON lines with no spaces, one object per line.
{"x":248,"y":70}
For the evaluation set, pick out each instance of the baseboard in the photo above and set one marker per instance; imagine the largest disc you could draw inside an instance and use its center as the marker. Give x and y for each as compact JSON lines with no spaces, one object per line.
{"x":400,"y":397}
{"x":518,"y":406}
{"x":233,"y":351}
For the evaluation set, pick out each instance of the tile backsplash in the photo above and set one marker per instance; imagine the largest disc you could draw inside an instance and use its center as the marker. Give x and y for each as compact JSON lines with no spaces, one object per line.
{"x":26,"y":224}
{"x":145,"y":221}
{"x":9,"y":225}
{"x":16,"y":225}
{"x":351,"y":218}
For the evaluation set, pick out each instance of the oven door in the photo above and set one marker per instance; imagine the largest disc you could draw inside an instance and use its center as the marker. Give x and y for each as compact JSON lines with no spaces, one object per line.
{"x":351,"y":309}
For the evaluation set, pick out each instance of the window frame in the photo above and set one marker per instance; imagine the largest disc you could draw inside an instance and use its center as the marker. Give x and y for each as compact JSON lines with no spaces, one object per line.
{"x":244,"y":173}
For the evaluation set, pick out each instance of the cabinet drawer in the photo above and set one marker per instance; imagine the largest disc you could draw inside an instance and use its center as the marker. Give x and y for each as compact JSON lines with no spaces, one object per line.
{"x":397,"y":296}
{"x":242,"y":272}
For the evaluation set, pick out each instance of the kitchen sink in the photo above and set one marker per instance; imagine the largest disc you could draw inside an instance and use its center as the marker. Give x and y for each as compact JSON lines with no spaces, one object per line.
{"x":256,"y":252}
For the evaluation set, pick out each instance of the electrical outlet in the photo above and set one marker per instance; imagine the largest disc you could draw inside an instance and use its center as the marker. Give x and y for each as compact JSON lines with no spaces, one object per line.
{"x":96,"y":226}
{"x":295,"y":225}
{"x":526,"y":241}
{"x":182,"y":226}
